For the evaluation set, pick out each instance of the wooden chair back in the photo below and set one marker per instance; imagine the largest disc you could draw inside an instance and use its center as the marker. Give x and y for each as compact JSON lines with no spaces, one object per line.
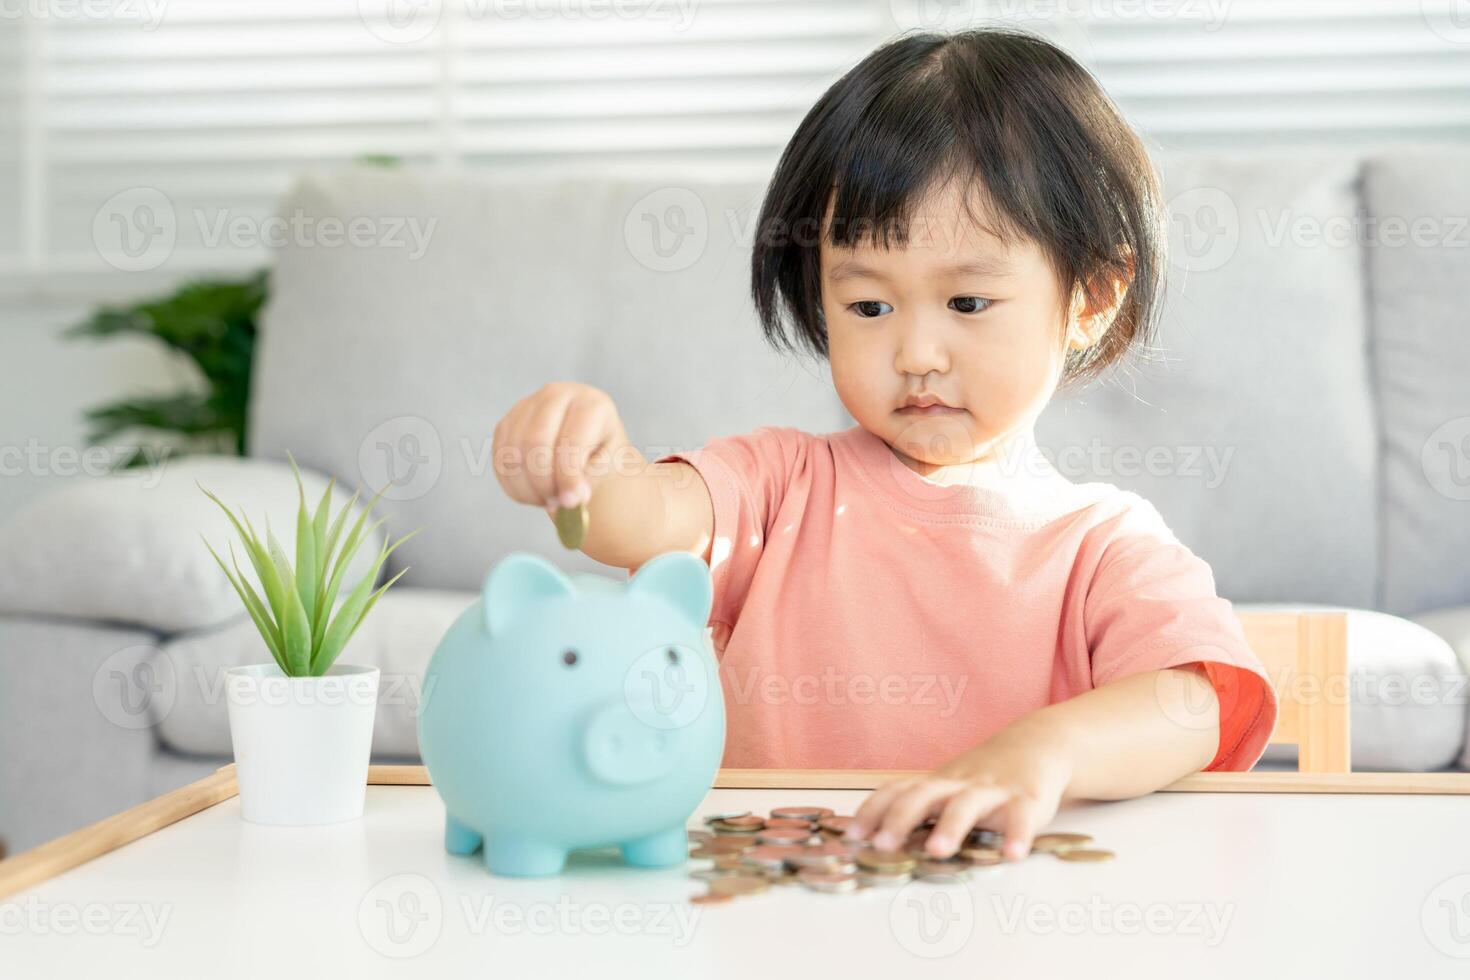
{"x":1305,"y":655}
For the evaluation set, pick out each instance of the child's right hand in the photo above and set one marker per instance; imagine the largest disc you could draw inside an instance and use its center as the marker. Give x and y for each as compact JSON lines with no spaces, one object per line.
{"x":556,"y":444}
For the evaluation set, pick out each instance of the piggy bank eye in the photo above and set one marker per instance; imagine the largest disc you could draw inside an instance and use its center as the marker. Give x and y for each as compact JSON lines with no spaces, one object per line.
{"x":569,"y":657}
{"x":672,"y":654}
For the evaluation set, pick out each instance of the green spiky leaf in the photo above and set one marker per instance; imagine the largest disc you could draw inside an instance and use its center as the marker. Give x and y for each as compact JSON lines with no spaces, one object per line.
{"x":295,"y":616}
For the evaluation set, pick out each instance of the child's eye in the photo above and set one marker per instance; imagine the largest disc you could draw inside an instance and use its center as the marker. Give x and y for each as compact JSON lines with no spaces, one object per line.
{"x":870,"y":308}
{"x":970,"y":304}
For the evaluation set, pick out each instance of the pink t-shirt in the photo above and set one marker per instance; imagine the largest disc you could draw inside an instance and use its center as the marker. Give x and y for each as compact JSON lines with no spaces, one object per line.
{"x":866,"y":617}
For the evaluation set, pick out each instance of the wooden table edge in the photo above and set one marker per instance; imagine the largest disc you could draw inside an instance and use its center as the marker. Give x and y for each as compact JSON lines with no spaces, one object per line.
{"x":72,"y":850}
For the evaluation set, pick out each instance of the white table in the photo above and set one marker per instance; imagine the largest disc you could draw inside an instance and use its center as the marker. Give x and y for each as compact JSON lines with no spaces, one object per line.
{"x":1205,"y":885}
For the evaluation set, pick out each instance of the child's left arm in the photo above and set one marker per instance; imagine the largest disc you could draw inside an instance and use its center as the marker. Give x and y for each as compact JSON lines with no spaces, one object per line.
{"x":1118,"y":740}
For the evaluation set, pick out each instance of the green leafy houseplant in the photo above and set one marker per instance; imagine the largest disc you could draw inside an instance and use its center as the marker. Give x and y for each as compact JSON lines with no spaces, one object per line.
{"x":212,"y":323}
{"x":295,"y":617}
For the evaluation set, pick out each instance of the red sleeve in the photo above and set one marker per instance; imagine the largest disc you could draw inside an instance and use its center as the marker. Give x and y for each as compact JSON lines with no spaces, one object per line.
{"x":1152,"y":605}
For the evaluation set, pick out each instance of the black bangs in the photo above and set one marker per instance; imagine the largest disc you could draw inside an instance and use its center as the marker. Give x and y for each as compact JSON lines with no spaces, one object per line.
{"x":1039,"y":150}
{"x":909,"y":139}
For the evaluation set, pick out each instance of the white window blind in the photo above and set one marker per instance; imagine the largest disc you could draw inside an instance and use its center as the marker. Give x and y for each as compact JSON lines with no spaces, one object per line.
{"x":115,"y":114}
{"x":214,"y":108}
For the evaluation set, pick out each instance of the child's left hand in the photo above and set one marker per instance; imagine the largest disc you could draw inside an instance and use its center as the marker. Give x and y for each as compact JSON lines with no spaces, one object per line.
{"x":1012,"y":783}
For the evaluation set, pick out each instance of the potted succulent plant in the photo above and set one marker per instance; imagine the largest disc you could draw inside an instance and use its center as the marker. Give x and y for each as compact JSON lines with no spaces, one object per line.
{"x":301,"y":725}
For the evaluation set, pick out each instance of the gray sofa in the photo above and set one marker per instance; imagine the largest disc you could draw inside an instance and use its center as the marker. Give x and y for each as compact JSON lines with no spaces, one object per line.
{"x":1307,"y":432}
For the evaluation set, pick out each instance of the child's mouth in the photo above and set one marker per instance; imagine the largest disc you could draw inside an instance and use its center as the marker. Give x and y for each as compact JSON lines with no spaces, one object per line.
{"x":929,"y":410}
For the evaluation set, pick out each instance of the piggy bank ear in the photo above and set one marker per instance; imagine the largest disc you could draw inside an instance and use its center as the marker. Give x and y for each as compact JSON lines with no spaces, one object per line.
{"x":680,"y":578}
{"x":518,"y":579}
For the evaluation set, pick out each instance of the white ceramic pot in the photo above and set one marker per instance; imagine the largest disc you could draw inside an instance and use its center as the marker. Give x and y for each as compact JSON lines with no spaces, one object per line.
{"x":302,"y":744}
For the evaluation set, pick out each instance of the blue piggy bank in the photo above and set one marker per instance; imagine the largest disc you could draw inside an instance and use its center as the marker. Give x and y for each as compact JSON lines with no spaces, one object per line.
{"x":562,"y":713}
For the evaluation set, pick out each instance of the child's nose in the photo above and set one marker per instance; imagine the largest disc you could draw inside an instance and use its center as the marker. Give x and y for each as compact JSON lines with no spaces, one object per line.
{"x":921,"y":350}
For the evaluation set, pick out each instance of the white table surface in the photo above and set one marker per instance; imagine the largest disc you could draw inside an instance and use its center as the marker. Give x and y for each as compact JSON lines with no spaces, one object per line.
{"x":1204,"y":885}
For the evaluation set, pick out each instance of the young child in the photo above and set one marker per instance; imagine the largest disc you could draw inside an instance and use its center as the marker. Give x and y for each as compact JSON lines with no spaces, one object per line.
{"x":961,"y":224}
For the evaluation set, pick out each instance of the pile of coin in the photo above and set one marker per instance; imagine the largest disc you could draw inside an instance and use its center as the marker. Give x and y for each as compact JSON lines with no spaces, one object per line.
{"x":745,"y":854}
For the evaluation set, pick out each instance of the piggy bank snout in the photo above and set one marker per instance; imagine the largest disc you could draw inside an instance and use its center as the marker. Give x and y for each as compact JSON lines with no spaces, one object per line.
{"x":620,"y":748}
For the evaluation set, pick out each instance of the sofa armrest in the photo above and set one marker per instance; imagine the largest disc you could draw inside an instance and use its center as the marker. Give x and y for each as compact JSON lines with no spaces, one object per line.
{"x":1453,"y":624}
{"x":126,"y":548}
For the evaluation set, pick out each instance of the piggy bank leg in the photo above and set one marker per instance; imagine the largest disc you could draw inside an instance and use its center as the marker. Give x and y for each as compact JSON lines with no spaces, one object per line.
{"x":459,"y":839}
{"x":523,"y":857}
{"x":660,"y":850}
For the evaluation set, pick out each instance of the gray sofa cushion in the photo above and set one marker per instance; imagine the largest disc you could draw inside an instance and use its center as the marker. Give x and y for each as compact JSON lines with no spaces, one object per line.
{"x":1453,"y":625}
{"x":521,"y":283}
{"x":76,"y":717}
{"x":398,"y":637}
{"x":1261,"y":421}
{"x":126,"y":547}
{"x":1419,"y":272}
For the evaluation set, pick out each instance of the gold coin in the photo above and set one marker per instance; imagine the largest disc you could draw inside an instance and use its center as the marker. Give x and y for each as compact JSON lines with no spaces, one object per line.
{"x":787,"y":823}
{"x":716,"y":817}
{"x":1048,"y":843}
{"x":738,"y":824}
{"x":741,"y":884}
{"x":1091,"y":854}
{"x":835,"y":825}
{"x":887,"y":862}
{"x":982,"y":856}
{"x":812,"y":813}
{"x":830,"y":882}
{"x":571,"y":525}
{"x":730,"y":844}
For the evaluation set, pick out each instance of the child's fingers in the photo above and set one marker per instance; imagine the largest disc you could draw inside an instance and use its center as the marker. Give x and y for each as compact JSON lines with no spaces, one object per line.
{"x":510,"y":463}
{"x":870,"y":813}
{"x":581,"y":431}
{"x":537,"y":439}
{"x":1024,"y":817}
{"x":963,"y":811}
{"x":909,"y":807}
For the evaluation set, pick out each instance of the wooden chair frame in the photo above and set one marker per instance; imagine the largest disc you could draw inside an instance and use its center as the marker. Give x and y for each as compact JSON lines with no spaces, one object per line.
{"x":1305,"y":655}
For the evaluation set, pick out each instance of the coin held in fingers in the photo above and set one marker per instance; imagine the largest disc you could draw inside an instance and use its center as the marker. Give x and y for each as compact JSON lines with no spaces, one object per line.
{"x":571,"y":525}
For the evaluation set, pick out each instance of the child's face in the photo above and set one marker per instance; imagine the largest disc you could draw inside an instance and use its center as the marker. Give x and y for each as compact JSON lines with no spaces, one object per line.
{"x":955,"y":314}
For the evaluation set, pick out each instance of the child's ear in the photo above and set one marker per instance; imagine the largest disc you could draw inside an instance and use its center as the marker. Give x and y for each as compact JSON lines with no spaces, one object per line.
{"x":1093,"y":310}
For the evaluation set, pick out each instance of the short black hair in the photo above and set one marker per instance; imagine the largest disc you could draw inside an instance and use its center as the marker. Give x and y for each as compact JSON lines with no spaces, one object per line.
{"x":1000,"y":106}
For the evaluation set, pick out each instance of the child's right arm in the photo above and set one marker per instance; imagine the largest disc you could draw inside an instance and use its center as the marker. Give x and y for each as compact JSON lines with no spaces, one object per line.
{"x":564,"y":444}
